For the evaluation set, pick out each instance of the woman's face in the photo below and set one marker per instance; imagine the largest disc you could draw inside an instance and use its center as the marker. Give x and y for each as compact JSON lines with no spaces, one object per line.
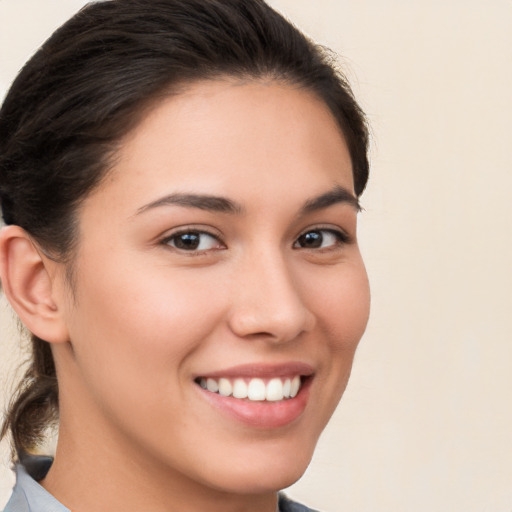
{"x":220,"y":252}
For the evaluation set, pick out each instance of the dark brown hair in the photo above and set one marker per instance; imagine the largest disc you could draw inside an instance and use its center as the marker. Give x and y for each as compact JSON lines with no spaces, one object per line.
{"x":88,"y":86}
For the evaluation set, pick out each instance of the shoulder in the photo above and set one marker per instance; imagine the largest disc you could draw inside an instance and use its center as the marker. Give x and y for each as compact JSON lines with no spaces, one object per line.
{"x":18,"y":502}
{"x":29,"y":496}
{"x":287,"y":505}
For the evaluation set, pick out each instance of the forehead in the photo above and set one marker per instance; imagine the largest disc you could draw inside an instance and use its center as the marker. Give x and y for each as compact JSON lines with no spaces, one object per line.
{"x":232,"y":138}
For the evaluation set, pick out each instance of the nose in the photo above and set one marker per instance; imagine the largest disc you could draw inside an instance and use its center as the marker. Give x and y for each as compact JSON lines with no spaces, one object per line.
{"x":267,"y":302}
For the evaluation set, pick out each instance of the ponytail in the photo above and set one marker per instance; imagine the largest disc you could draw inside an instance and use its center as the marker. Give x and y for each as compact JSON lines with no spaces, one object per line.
{"x":34,"y":406}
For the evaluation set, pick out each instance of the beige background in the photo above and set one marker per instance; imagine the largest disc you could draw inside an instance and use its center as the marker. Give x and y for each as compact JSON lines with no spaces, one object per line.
{"x":426,"y":423}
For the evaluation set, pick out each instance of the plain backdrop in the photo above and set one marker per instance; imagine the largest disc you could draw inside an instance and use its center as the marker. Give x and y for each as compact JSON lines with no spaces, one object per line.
{"x":426,"y":422}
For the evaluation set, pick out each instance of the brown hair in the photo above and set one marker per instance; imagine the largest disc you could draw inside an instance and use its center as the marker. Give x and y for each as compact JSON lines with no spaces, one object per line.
{"x":88,"y":85}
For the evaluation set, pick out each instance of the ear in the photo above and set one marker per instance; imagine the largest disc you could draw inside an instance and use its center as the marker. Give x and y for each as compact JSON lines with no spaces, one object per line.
{"x":28,"y":282}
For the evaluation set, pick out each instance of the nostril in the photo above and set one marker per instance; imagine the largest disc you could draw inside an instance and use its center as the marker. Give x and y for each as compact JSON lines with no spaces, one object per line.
{"x":262,"y":334}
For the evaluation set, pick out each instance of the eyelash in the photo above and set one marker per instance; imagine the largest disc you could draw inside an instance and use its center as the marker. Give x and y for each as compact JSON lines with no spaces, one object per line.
{"x":192,"y":232}
{"x":341,"y":238}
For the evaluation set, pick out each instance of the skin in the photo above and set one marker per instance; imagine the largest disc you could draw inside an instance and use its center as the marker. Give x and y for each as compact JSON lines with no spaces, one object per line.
{"x":146,"y":318}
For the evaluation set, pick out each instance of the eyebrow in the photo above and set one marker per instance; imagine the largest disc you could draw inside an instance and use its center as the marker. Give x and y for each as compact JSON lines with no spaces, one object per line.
{"x":223,"y":205}
{"x":200,"y":201}
{"x":336,"y":195}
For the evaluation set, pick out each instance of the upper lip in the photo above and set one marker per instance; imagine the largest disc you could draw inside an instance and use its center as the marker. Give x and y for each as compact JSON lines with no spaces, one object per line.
{"x":262,"y":370}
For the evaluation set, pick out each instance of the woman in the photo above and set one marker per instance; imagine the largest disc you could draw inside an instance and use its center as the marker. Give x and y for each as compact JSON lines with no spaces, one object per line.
{"x":179,"y":182}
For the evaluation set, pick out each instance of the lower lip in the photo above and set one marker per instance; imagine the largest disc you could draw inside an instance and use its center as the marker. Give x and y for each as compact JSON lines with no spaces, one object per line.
{"x":262,"y":414}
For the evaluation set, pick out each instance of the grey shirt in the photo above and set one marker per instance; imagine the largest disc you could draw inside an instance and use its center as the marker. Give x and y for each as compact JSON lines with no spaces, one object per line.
{"x":29,"y":496}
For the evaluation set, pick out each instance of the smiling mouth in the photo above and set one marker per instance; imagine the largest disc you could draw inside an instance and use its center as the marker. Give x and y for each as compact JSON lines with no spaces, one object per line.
{"x":254,"y":389}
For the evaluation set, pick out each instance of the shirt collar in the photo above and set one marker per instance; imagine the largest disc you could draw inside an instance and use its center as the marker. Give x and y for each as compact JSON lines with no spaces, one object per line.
{"x":29,"y":496}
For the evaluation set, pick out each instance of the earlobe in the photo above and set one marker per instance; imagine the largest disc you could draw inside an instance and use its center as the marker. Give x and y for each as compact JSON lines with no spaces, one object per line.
{"x":28,"y":283}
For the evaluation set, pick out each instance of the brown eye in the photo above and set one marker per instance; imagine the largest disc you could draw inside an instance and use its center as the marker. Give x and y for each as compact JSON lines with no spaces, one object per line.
{"x":320,"y":239}
{"x":193,"y":241}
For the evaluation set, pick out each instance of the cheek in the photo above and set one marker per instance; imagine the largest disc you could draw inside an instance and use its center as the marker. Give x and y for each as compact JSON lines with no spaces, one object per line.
{"x":342,"y":314}
{"x":131,"y":330}
{"x":148,"y":299}
{"x":342,"y":307}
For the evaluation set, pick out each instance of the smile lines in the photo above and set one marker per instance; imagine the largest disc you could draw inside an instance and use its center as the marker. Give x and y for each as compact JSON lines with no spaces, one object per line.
{"x":255,"y":389}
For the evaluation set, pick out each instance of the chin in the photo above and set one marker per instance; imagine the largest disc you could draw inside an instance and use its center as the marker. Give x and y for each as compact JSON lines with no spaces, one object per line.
{"x":257,"y":475}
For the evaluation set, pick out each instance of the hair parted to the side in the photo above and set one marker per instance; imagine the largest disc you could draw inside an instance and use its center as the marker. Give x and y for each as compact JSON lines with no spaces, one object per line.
{"x":88,"y":86}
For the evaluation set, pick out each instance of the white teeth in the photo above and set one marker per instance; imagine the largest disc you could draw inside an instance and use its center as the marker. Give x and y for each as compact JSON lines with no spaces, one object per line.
{"x":256,"y":389}
{"x":239,"y":389}
{"x":295,"y":387}
{"x":274,"y":390}
{"x":287,"y":386}
{"x":225,"y":388}
{"x":212,"y":385}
